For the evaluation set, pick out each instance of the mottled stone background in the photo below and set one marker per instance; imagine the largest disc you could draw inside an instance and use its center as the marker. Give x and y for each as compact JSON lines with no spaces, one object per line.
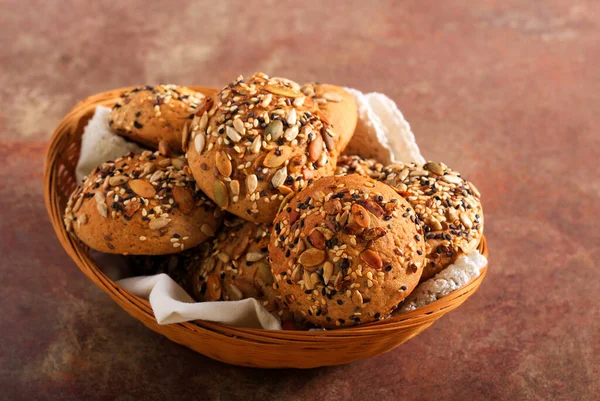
{"x":507,"y":92}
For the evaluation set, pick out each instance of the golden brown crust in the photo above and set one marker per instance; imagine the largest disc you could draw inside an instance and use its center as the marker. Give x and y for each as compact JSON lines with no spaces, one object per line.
{"x":151,"y":114}
{"x":346,"y":250}
{"x":355,"y":164}
{"x":258,"y":143}
{"x":448,"y":205}
{"x":144,"y":204}
{"x":338,"y":107}
{"x":234,"y":266}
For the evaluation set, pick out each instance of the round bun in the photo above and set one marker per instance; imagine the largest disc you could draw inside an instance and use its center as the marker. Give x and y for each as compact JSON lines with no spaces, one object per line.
{"x":144,"y":204}
{"x":346,"y":250}
{"x":234,"y":266}
{"x":153,"y":114}
{"x":447,"y":204}
{"x":257,"y":144}
{"x":336,"y":106}
{"x":355,"y":164}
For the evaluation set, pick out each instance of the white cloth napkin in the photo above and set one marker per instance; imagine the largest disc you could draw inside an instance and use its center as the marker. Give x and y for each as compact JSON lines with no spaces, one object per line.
{"x":100,"y":144}
{"x":171,"y":304}
{"x":383,"y":127}
{"x":385,"y":133}
{"x":464,"y":269}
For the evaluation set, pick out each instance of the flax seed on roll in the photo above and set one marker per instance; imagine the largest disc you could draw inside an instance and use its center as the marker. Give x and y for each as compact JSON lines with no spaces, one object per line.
{"x":144,"y":204}
{"x":153,"y":115}
{"x":448,"y":205}
{"x":346,"y":250}
{"x":257,"y":144}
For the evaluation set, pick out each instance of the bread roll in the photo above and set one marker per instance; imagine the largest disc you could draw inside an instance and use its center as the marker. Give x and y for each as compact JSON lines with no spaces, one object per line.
{"x":258,"y":143}
{"x":144,"y":204}
{"x":234,"y":265}
{"x":346,"y":250}
{"x":153,"y":115}
{"x":337,"y":107}
{"x":448,"y":205}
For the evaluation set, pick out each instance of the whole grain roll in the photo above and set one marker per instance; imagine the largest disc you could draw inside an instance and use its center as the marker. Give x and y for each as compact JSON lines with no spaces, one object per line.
{"x":262,"y":140}
{"x":144,"y":204}
{"x":153,"y":115}
{"x":335,"y":106}
{"x":448,"y":205}
{"x":234,"y":266}
{"x":346,"y":250}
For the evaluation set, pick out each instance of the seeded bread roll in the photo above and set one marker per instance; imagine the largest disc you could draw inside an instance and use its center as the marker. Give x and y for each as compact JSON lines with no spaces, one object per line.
{"x":355,"y":164}
{"x":337,"y":107}
{"x":447,"y":204}
{"x":144,"y":204}
{"x":234,"y":266}
{"x":346,"y":250}
{"x":257,"y":144}
{"x":153,"y":114}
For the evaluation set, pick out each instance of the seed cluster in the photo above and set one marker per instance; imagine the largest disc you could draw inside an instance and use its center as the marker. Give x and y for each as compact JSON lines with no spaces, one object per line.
{"x":149,"y":184}
{"x":356,"y":164}
{"x":336,"y":258}
{"x":449,"y":206}
{"x":265,"y":138}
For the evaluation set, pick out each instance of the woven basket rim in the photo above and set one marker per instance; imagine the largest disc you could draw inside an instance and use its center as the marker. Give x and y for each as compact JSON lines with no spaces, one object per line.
{"x":410,"y":321}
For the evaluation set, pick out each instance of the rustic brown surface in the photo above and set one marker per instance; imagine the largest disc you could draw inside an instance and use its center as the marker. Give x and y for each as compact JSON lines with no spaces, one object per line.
{"x":506,"y":92}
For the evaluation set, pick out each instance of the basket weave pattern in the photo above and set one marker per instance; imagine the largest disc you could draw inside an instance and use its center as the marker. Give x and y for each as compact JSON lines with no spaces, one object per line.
{"x":239,"y":346}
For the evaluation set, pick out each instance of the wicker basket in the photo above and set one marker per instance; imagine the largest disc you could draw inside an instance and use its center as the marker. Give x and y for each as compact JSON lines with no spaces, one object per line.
{"x":238,"y":346}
